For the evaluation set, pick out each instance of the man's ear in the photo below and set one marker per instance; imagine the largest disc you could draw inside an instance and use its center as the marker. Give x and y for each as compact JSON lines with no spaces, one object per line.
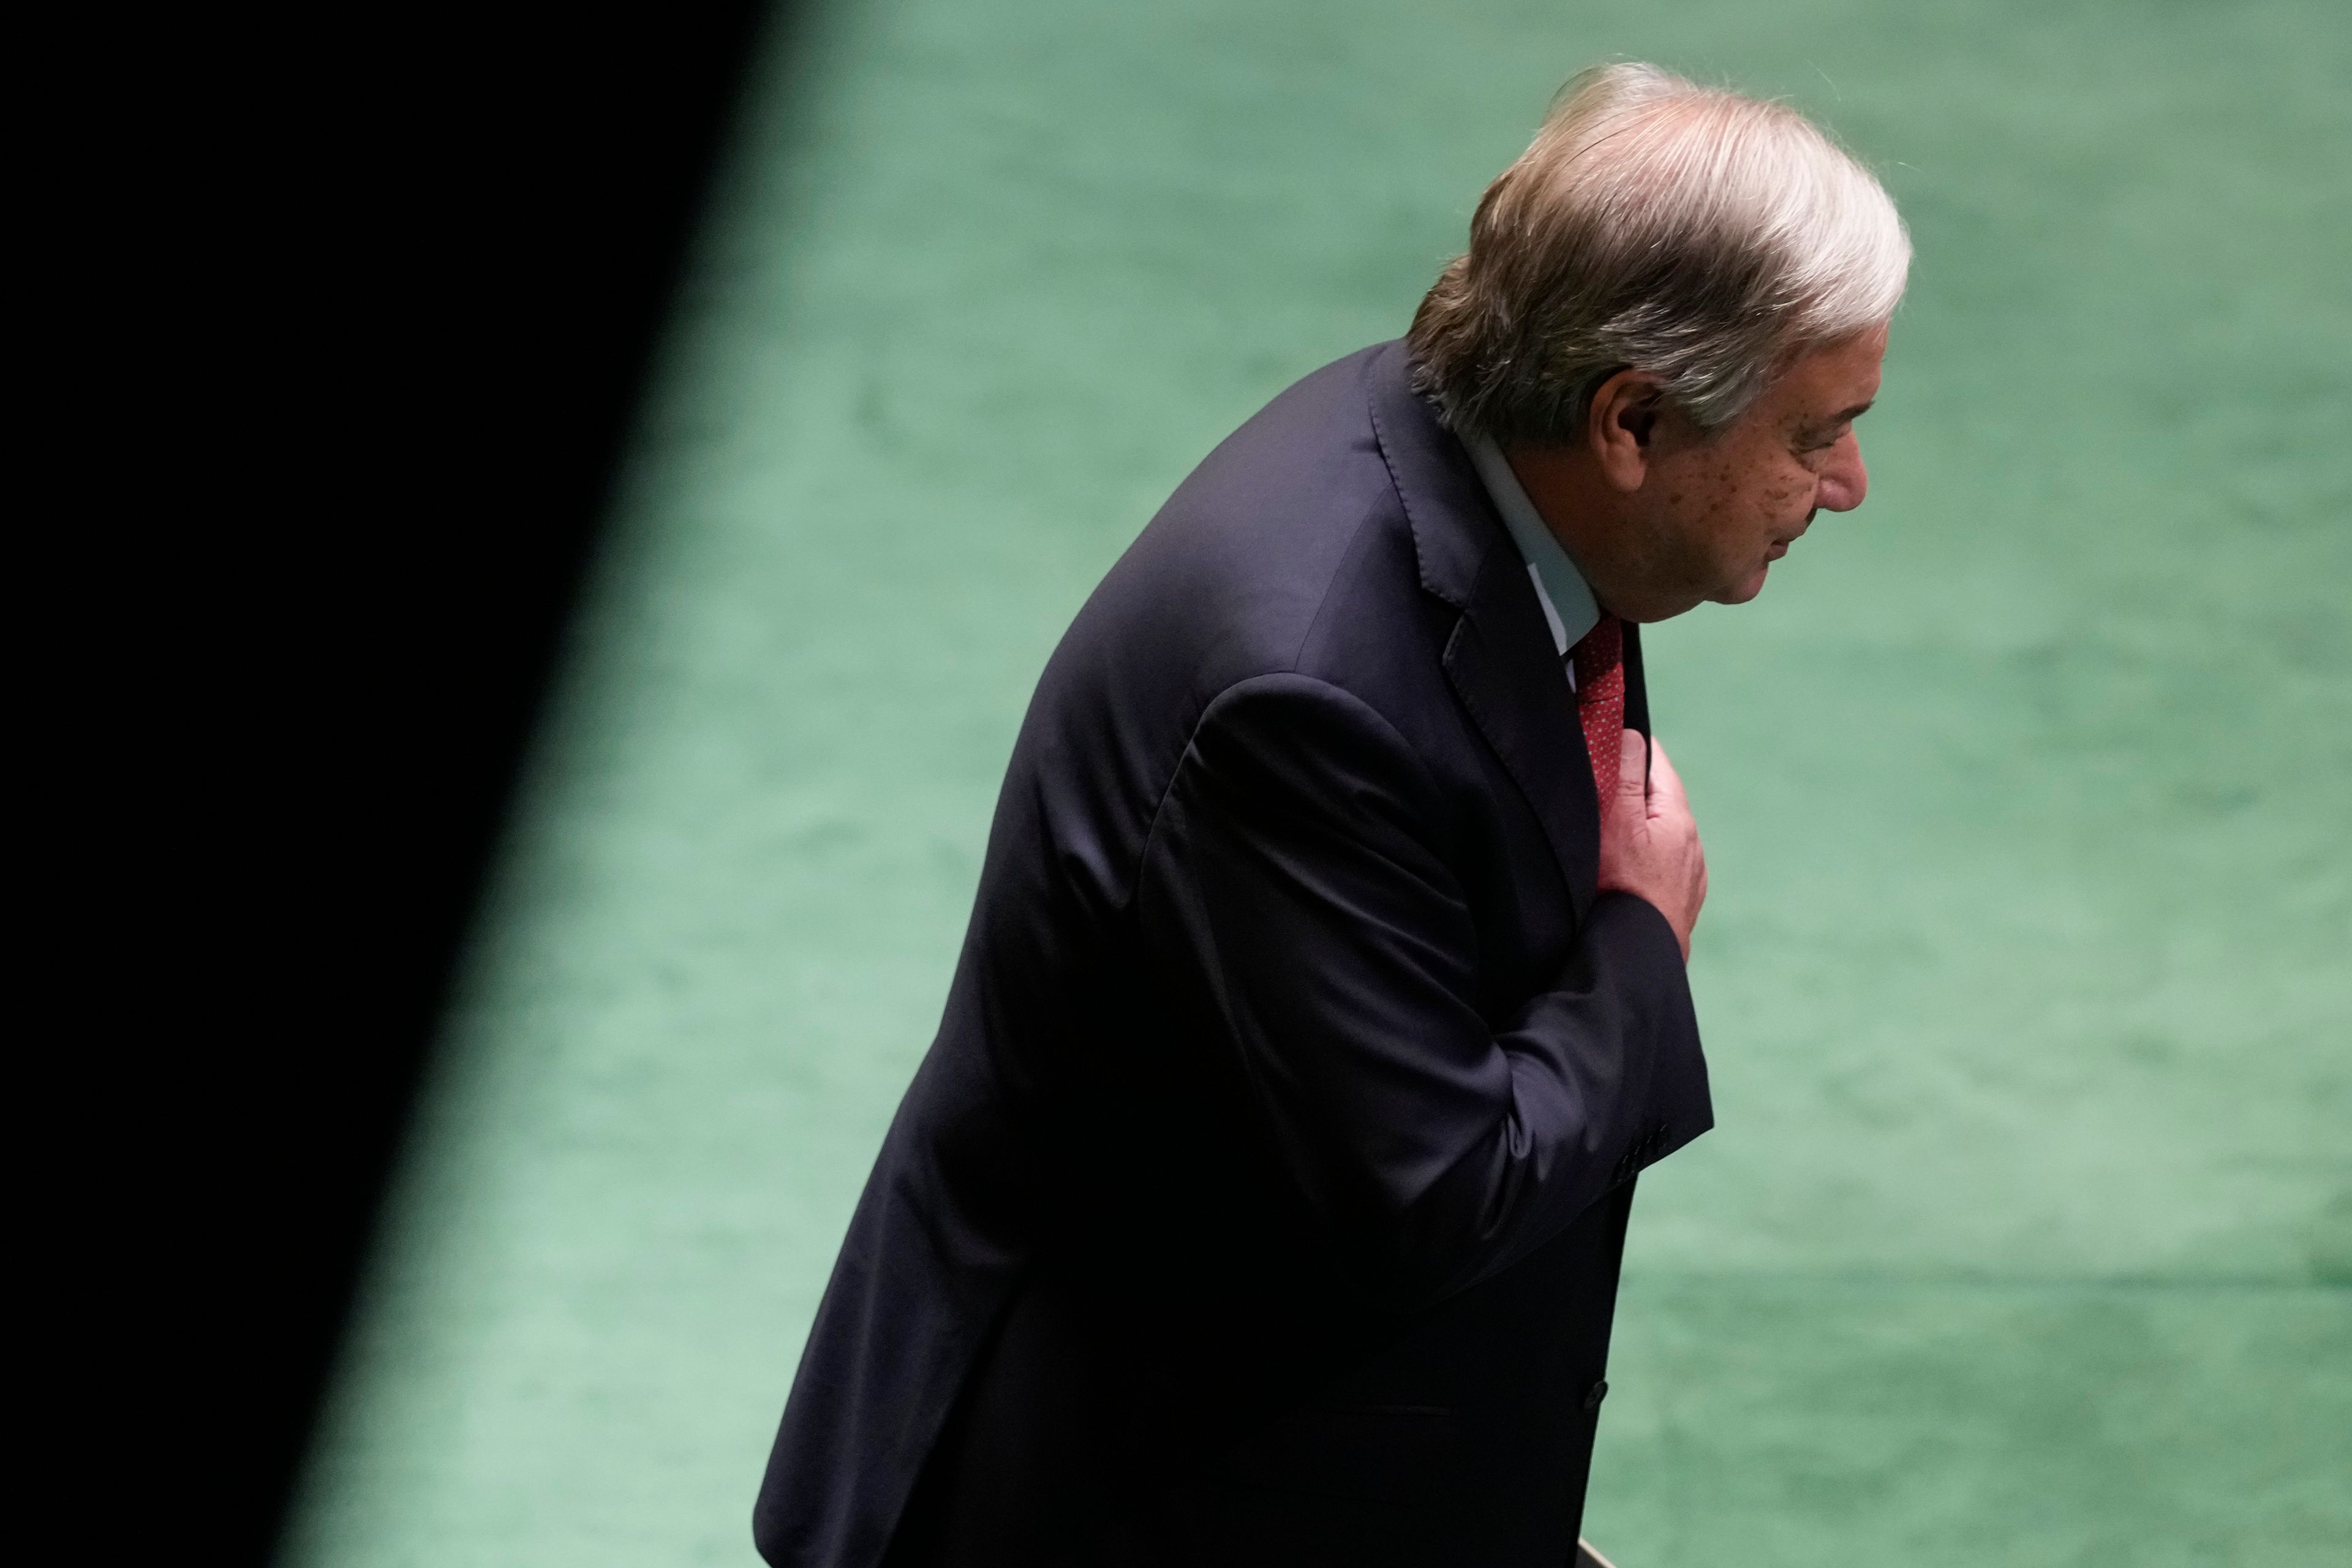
{"x":1618,"y":428}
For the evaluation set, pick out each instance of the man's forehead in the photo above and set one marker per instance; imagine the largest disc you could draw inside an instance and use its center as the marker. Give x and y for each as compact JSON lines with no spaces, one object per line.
{"x":1835,"y":384}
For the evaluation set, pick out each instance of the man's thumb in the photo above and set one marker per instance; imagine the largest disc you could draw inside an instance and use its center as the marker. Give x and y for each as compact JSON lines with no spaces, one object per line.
{"x":1633,"y":766}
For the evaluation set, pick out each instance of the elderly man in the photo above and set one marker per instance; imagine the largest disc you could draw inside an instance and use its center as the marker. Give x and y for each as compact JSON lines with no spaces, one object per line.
{"x":1262,"y":1198}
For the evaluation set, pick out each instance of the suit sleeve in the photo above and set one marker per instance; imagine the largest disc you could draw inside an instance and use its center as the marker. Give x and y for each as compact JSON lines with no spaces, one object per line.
{"x":1296,"y":892}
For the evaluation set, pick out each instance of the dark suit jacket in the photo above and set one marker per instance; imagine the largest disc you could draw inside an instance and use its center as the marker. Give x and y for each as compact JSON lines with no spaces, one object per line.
{"x":1262,"y":1196}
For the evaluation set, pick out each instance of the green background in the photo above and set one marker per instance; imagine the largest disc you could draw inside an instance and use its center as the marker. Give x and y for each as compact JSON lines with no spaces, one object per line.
{"x":2026,"y":1234}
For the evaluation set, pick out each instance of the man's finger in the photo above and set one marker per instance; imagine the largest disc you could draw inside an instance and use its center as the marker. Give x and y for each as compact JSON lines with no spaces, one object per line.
{"x":1665,"y":784}
{"x":1633,"y":766}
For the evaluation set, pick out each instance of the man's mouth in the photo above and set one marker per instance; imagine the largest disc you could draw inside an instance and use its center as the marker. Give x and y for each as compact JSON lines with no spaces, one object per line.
{"x":1780,"y":548}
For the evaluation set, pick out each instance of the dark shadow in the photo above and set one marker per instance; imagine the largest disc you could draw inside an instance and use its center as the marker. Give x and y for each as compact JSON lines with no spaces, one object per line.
{"x":488,"y":233}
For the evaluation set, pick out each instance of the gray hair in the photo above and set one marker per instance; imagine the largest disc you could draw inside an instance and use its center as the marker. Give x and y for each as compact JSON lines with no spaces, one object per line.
{"x":1654,"y":224}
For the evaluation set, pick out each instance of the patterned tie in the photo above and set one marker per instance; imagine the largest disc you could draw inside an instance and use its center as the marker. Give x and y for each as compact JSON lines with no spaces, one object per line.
{"x":1599,"y":660}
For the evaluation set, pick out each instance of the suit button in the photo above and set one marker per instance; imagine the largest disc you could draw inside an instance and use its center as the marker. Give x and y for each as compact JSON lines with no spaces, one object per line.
{"x":1595,"y":1394}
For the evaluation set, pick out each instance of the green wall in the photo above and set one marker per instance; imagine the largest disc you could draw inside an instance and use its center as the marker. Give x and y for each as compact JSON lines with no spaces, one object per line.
{"x":2026,"y":1234}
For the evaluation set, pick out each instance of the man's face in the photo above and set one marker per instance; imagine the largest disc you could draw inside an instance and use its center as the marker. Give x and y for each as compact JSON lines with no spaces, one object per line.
{"x":1722,"y":508}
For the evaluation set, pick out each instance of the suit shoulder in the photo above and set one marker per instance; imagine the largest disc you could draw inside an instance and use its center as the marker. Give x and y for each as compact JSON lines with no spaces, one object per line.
{"x":1293,"y":510}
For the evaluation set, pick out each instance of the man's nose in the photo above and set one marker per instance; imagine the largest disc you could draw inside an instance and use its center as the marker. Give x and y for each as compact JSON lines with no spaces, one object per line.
{"x":1845,"y":481}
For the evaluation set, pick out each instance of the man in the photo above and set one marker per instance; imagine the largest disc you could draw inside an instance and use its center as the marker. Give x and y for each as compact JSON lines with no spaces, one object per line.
{"x":1262,"y":1198}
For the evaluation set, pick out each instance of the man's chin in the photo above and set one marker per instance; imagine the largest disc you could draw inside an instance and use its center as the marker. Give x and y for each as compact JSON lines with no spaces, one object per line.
{"x":1746,"y":588}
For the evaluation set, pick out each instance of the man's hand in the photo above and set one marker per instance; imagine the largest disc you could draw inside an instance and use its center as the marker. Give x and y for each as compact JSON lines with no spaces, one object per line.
{"x":1649,"y":844}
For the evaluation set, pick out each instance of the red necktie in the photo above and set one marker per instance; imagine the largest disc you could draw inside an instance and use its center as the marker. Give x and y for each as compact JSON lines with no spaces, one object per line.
{"x":1599,"y":660}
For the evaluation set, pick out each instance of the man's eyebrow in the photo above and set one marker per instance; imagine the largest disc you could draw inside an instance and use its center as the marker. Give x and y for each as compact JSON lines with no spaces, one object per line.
{"x":1844,"y":416}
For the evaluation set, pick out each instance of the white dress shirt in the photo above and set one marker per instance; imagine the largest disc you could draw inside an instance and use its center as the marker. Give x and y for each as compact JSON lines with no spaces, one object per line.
{"x":1569,"y":607}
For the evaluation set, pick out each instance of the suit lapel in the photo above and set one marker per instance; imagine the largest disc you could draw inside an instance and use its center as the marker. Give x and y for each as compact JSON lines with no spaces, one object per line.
{"x":1499,"y":660}
{"x":1510,"y":682}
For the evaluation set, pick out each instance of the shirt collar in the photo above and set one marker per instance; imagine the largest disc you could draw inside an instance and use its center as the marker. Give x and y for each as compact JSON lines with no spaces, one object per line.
{"x":1569,"y":607}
